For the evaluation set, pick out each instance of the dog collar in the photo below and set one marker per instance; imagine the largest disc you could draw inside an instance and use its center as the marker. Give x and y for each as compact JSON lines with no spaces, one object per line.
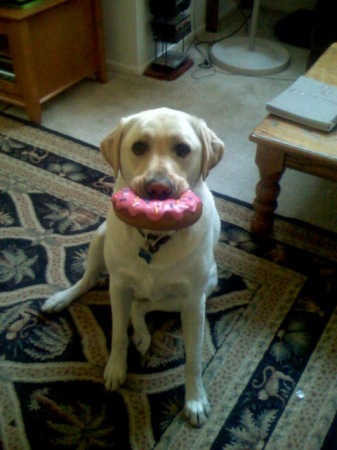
{"x":152,"y":243}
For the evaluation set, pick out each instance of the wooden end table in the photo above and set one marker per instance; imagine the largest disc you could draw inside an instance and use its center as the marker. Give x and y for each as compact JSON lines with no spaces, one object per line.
{"x":282,"y":143}
{"x":52,"y":46}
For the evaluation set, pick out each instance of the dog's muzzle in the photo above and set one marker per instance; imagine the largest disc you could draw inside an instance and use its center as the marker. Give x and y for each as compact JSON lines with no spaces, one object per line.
{"x":159,"y":188}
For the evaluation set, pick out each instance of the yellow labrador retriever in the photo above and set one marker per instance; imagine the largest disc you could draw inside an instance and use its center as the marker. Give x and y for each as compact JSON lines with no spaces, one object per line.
{"x":157,"y":153}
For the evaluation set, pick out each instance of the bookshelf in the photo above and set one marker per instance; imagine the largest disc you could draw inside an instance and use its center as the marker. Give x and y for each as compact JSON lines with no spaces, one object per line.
{"x":47,"y":48}
{"x":170,"y":25}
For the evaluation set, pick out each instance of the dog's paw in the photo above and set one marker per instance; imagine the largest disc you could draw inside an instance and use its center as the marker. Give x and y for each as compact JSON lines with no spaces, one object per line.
{"x":114,"y":376}
{"x":142,"y":341}
{"x":56,"y":302}
{"x":197,"y":412}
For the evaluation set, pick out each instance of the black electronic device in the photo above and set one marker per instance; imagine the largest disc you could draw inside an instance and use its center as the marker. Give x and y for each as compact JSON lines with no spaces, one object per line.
{"x":169,"y":61}
{"x":170,"y":25}
{"x":168,"y":8}
{"x":172,"y":29}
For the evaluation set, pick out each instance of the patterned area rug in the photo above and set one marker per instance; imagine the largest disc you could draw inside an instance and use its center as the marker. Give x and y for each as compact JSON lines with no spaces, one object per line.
{"x":270,"y":347}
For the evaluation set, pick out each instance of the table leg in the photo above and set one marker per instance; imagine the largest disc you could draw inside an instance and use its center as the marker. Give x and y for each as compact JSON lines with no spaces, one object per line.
{"x":271,"y":168}
{"x":34,"y":111}
{"x":23,"y":61}
{"x":101,"y":72}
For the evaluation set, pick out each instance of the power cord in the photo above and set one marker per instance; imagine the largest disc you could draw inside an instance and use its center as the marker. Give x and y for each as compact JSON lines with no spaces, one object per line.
{"x":207,"y":59}
{"x":203,"y":70}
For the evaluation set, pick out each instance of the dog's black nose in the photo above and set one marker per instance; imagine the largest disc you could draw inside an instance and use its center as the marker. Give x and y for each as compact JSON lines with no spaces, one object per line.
{"x":158,"y":188}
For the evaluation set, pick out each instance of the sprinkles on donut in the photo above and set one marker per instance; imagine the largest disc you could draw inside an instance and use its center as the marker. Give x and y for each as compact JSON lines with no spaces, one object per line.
{"x":157,"y":214}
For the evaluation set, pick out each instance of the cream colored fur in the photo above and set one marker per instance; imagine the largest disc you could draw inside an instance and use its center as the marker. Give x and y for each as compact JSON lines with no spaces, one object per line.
{"x":183,"y":273}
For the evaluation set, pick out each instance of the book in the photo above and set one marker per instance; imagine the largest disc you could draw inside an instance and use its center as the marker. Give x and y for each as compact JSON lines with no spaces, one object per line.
{"x":6,"y":75}
{"x":6,"y":63}
{"x":6,"y":68}
{"x":308,"y":102}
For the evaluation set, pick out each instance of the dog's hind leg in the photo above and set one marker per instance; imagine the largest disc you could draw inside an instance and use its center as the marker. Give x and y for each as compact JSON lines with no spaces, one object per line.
{"x":212,"y":280}
{"x":95,"y":265}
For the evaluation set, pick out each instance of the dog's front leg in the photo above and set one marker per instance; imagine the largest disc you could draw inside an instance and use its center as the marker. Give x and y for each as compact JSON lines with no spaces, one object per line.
{"x":196,"y":403}
{"x":116,"y":368}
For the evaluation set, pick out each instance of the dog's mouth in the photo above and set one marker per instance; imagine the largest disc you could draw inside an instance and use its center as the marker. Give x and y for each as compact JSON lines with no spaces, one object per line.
{"x":159,"y":188}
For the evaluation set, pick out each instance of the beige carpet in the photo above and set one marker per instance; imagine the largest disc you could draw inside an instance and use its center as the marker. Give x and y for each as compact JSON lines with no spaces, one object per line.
{"x":270,"y":345}
{"x":232,"y":105}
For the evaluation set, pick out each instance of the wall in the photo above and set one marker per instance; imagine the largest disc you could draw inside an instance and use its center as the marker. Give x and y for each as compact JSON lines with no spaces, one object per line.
{"x":128,"y":39}
{"x":122,"y":27}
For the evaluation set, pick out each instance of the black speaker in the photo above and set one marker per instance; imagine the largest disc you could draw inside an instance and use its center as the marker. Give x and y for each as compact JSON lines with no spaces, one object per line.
{"x":168,"y":8}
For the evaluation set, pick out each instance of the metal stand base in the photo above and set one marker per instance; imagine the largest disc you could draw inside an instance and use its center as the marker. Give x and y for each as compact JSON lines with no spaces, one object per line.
{"x":267,"y":57}
{"x":251,"y":55}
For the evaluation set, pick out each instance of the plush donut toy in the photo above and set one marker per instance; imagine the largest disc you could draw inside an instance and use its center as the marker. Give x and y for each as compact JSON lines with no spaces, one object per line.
{"x":170,"y":214}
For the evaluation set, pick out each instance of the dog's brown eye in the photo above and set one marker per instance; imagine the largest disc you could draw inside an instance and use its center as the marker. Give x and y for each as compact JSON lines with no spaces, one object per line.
{"x":139,"y":148}
{"x":182,"y":150}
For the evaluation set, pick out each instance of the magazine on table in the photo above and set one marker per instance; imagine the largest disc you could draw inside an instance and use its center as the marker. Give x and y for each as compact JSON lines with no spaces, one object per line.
{"x":309,"y":102}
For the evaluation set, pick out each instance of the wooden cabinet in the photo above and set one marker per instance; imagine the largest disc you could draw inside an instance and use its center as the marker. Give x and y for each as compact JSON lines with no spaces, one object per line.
{"x":51,"y":46}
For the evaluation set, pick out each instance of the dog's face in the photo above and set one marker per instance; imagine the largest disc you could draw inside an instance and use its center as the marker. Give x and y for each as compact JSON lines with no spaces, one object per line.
{"x":160,"y":153}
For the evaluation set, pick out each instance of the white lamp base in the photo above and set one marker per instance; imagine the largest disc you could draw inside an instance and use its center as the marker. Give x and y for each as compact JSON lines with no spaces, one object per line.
{"x":266,"y":58}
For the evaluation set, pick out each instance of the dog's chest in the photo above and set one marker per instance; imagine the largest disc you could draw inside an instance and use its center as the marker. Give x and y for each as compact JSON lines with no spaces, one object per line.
{"x":154,"y":287}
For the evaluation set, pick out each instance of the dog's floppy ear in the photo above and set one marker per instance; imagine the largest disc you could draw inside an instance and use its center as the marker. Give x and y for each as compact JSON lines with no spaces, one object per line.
{"x":110,"y":147}
{"x":213,"y":150}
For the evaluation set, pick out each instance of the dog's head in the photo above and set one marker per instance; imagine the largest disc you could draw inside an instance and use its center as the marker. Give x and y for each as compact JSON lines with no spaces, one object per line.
{"x":162,"y":152}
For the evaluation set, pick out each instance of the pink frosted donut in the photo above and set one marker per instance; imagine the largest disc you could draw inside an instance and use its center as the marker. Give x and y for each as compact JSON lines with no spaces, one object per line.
{"x":170,"y":214}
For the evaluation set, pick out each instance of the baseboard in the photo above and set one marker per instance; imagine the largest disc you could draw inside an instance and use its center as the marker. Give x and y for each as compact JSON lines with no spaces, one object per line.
{"x":127,"y":69}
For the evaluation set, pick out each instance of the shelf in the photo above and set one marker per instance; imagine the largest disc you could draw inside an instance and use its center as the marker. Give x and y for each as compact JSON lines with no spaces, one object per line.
{"x":7,"y":90}
{"x":47,"y":54}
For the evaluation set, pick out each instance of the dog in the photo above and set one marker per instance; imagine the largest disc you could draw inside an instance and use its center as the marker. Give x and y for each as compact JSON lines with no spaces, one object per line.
{"x":157,"y":153}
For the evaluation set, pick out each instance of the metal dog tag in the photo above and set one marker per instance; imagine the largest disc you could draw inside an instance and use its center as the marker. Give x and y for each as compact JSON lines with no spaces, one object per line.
{"x":145,"y":254}
{"x":151,"y":245}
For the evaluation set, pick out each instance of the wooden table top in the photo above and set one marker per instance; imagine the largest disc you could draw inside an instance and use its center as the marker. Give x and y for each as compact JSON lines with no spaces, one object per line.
{"x":294,"y":138}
